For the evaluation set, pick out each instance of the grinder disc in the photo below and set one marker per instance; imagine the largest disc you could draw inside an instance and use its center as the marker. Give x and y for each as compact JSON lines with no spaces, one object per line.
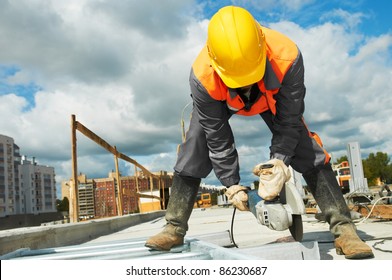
{"x":296,"y":229}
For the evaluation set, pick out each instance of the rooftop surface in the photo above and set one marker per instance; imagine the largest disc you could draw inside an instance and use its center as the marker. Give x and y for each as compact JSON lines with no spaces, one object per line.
{"x":213,"y":225}
{"x":231,"y":236}
{"x":218,"y":233}
{"x":259,"y":250}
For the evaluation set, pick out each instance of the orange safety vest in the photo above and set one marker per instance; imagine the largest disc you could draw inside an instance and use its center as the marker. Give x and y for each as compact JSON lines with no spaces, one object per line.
{"x":281,"y":53}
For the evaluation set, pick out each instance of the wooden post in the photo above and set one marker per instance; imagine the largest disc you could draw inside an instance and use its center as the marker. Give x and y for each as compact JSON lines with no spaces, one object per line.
{"x":74,"y":215}
{"x":151,"y":191}
{"x":119,"y":190}
{"x":139,"y":205}
{"x":90,"y":134}
{"x":163,"y":192}
{"x":160,"y":186}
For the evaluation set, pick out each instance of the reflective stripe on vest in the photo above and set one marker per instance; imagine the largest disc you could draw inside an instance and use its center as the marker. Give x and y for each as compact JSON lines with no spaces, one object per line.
{"x":281,"y":53}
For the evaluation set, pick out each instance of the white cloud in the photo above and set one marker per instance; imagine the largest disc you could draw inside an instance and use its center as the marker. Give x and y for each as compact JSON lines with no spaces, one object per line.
{"x":10,"y":105}
{"x":122,"y":68}
{"x":349,"y":20}
{"x":347,"y":79}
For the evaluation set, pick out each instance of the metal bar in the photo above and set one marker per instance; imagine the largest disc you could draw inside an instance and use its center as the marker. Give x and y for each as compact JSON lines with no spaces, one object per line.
{"x":93,"y":254}
{"x":182,"y":256}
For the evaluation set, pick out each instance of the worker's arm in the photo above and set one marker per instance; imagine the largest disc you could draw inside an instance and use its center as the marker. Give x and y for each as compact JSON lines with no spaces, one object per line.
{"x":287,"y":122}
{"x":214,"y":119}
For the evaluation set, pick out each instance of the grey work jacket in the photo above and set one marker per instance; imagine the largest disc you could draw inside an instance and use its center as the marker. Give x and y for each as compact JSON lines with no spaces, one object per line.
{"x":286,"y":123}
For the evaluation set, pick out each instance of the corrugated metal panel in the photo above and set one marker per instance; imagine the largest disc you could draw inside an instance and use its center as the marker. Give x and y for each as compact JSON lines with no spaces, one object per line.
{"x":193,"y":249}
{"x":132,"y":249}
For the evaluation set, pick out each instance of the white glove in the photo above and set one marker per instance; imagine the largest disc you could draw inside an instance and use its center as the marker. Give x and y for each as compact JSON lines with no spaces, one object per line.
{"x":238,"y":197}
{"x":273,"y":174}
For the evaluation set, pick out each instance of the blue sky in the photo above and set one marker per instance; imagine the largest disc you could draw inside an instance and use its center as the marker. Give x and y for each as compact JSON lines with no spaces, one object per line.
{"x":122,"y":68}
{"x":26,"y":90}
{"x":373,"y":16}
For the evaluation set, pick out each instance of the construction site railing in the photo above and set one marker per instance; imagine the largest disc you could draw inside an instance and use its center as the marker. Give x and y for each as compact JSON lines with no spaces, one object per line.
{"x":74,"y":203}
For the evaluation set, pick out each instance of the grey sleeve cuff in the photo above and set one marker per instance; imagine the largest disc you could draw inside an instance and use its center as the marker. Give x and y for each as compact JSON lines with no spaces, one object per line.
{"x":228,"y":182}
{"x":284,"y":158}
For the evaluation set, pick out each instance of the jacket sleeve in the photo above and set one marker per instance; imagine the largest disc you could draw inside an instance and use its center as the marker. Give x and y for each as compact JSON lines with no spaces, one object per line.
{"x":287,"y":123}
{"x":214,"y":119}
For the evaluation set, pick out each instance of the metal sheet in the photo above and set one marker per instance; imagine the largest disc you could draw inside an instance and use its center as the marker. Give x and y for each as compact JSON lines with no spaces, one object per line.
{"x":192,"y":249}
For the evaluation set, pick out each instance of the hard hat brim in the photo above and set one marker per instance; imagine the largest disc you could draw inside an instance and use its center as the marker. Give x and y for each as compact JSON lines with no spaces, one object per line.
{"x":233,"y":81}
{"x":241,"y":81}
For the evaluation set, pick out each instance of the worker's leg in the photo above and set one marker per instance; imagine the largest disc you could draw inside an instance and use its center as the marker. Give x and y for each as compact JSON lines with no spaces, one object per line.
{"x":192,"y":164}
{"x":313,"y":162}
{"x":179,"y":209}
{"x":193,"y":155}
{"x":323,"y":185}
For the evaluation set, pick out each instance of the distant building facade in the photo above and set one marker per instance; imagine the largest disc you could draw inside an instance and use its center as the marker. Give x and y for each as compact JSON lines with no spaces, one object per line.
{"x":105,"y":197}
{"x":10,"y":193}
{"x":86,"y":197}
{"x":25,"y":186}
{"x":38,"y":187}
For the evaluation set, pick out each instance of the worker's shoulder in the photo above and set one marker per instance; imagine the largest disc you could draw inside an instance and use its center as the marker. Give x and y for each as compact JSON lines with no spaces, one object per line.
{"x":279,"y":45}
{"x":274,"y":36}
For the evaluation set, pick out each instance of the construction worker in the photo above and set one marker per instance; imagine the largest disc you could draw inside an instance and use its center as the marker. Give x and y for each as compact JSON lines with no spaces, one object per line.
{"x":248,"y":69}
{"x":388,"y":196}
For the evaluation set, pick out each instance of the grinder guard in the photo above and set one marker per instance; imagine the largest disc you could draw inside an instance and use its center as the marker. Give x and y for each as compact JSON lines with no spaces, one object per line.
{"x":284,"y":212}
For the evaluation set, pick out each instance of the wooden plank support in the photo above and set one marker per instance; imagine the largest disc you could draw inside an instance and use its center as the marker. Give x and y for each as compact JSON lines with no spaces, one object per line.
{"x":74,"y":203}
{"x":88,"y":133}
{"x":74,"y":207}
{"x":380,"y":211}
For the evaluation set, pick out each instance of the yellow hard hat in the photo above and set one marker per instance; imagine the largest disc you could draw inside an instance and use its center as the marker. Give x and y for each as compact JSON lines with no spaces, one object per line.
{"x":236,"y":47}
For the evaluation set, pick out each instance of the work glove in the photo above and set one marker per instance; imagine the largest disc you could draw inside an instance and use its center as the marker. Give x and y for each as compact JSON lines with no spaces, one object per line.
{"x":273,"y":174}
{"x":237,"y":196}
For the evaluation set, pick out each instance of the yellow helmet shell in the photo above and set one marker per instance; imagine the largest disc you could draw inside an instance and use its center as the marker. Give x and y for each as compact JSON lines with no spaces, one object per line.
{"x":236,"y":47}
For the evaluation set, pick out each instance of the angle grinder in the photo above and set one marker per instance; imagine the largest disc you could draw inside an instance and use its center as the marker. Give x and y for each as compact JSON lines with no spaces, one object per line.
{"x":283,"y":212}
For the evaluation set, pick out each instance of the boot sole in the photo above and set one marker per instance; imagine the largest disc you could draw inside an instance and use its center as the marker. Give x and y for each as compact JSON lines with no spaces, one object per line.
{"x":359,"y":256}
{"x":362,"y":255}
{"x":156,"y":247}
{"x":161,"y":248}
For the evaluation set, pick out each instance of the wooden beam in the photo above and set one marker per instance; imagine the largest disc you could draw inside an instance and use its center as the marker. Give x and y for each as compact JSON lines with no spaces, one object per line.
{"x":74,"y":207}
{"x":380,"y":211}
{"x":88,"y":133}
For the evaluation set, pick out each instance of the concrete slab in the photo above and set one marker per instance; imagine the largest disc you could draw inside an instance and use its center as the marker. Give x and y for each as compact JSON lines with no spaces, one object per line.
{"x":67,"y":234}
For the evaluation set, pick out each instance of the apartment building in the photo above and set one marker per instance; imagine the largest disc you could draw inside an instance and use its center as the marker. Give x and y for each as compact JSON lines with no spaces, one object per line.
{"x":38,"y":187}
{"x":105,"y":197}
{"x":86,"y":197}
{"x":10,"y":192}
{"x":25,"y":186}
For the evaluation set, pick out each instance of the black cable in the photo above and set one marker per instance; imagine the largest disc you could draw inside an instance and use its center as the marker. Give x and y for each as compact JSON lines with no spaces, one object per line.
{"x":374,"y":245}
{"x":232,"y":225}
{"x":381,"y":242}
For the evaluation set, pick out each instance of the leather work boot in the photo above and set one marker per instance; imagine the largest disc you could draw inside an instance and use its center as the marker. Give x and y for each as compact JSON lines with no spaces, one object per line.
{"x":182,"y":198}
{"x":324,"y":187}
{"x":350,"y":245}
{"x":165,"y":240}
